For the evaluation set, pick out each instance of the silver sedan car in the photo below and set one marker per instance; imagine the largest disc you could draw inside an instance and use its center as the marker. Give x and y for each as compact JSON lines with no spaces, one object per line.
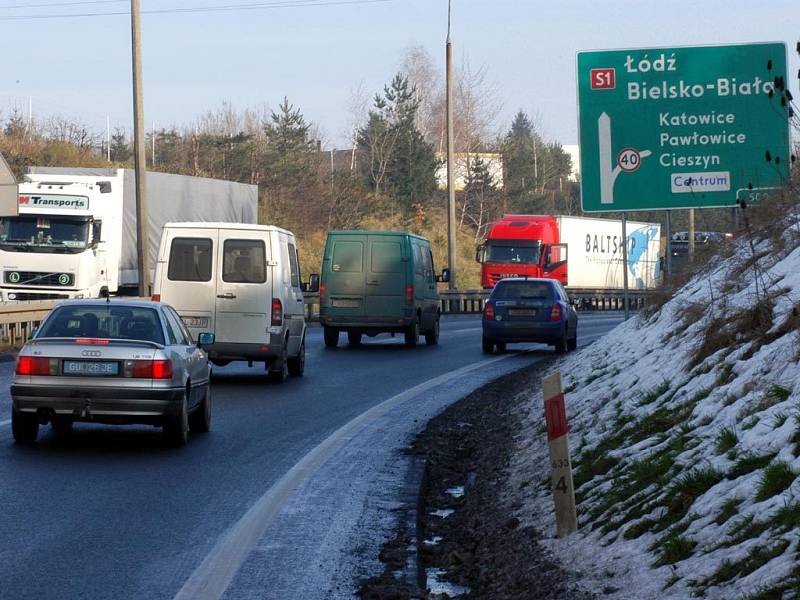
{"x":115,"y":361}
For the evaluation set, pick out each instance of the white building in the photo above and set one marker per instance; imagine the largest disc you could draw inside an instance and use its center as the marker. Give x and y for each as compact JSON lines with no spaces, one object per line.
{"x":462,"y":160}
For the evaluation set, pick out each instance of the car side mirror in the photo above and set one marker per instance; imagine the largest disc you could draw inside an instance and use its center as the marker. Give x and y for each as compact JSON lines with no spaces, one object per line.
{"x":97,"y":230}
{"x":205,"y":339}
{"x":444,"y":277}
{"x":312,"y":287}
{"x":479,"y":253}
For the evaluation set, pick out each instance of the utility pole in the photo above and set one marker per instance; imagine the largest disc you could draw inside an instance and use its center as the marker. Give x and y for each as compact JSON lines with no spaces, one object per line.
{"x":139,"y":153}
{"x":625,"y":265}
{"x":691,"y":235}
{"x":108,"y":138}
{"x":451,"y":192}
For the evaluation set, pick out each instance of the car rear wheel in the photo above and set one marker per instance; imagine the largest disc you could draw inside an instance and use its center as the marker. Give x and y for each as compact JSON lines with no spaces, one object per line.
{"x":562,"y":344}
{"x":432,"y":336}
{"x":354,"y":338}
{"x":572,"y":344}
{"x":331,"y":337}
{"x":297,"y":364}
{"x":25,"y":428}
{"x":176,"y":427}
{"x":279,"y":369}
{"x":200,"y":419}
{"x":62,"y":426}
{"x":412,"y":334}
{"x":488,"y":345}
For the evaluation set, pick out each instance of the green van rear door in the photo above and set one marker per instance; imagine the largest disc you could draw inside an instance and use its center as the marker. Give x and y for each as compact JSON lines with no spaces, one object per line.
{"x":386,"y":276}
{"x":345,"y":274}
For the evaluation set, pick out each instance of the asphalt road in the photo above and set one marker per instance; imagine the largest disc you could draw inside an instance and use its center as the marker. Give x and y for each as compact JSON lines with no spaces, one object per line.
{"x":288,"y":496}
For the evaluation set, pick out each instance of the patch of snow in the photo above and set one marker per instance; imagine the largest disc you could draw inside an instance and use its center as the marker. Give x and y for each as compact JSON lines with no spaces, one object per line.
{"x":442,"y":512}
{"x":456,"y":492}
{"x":437,"y":586}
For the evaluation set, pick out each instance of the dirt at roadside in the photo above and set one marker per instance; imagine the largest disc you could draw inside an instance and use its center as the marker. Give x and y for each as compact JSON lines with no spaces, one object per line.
{"x":466,"y":530}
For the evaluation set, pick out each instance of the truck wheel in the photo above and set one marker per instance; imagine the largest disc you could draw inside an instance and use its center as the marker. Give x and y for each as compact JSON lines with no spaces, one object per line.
{"x":279,"y":369}
{"x":432,"y":336}
{"x":331,"y":337}
{"x":200,"y":419}
{"x":297,"y":364}
{"x":354,"y":338}
{"x":412,"y":334}
{"x":487,"y":345}
{"x":25,"y":428}
{"x":176,"y":427}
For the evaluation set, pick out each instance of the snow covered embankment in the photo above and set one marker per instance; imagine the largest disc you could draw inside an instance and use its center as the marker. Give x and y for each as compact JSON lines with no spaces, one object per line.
{"x":685,"y":437}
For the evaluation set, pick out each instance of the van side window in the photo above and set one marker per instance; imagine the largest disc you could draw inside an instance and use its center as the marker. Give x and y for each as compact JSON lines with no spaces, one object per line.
{"x":428,"y":263}
{"x":348,"y":257}
{"x":386,"y":257}
{"x":190,"y":259}
{"x":244,"y":261}
{"x":418,"y":263}
{"x":294,"y":266}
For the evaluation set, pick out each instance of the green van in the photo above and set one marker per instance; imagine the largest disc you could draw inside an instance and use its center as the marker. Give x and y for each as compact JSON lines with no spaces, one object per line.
{"x":378,"y":281}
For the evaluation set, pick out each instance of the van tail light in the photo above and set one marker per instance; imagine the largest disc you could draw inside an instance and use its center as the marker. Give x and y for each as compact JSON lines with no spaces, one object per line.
{"x":409,"y":294}
{"x":557,"y":314}
{"x":151,"y":369}
{"x":322,"y":289}
{"x":488,"y":311}
{"x":277,"y":312}
{"x":156,"y":298}
{"x":36,"y":365}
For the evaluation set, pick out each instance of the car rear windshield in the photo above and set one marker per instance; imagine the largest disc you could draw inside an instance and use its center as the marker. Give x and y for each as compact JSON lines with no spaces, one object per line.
{"x":524,"y":289}
{"x":103,"y":321}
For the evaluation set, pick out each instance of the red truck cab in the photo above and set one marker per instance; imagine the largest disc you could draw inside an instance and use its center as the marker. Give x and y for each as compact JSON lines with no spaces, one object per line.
{"x":522,"y":246}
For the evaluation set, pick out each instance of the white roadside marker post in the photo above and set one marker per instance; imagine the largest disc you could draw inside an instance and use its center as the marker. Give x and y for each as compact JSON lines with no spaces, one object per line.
{"x":561,"y":482}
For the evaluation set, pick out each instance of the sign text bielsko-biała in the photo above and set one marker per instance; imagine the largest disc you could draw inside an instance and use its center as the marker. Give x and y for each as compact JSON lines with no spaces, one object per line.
{"x":681,"y":127}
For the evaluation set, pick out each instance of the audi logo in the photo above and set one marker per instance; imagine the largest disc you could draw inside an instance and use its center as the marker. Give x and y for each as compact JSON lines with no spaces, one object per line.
{"x":91,"y":353}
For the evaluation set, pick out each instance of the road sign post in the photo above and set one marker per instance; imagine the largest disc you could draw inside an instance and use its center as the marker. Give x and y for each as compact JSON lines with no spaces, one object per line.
{"x":561,"y":481}
{"x":9,"y":191}
{"x":684,"y":127}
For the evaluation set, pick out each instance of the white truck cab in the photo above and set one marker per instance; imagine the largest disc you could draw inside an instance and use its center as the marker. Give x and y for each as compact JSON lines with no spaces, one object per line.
{"x":240,"y":282}
{"x":57,"y":245}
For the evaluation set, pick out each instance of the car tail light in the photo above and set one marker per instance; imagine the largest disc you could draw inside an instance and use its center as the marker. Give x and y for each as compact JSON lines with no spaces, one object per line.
{"x":151,"y":369}
{"x":36,"y":365}
{"x":409,"y":294}
{"x":488,"y":311}
{"x":557,"y":313}
{"x":156,"y":298}
{"x":322,"y":289}
{"x":277,"y":312}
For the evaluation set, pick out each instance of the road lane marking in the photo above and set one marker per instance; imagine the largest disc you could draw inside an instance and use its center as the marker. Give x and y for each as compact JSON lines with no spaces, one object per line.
{"x":212,"y":577}
{"x":4,"y":423}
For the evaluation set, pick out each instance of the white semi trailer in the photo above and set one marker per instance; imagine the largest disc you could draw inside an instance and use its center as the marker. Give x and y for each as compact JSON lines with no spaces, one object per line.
{"x":75,"y":234}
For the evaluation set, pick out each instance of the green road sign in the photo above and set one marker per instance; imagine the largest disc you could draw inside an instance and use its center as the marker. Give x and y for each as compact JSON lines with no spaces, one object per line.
{"x":681,"y":127}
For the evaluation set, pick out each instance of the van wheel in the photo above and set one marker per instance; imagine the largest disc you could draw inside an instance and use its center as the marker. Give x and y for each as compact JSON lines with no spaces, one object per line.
{"x":279,"y":369}
{"x":331,"y":337}
{"x":432,"y":336}
{"x":297,"y":364}
{"x":412,"y":334}
{"x":25,"y":428}
{"x":200,"y":419}
{"x":487,"y":345}
{"x":176,"y":427}
{"x":354,"y":338}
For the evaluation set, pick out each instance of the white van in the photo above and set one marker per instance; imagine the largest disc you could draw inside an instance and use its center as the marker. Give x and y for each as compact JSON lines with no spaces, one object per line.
{"x":241,"y":283}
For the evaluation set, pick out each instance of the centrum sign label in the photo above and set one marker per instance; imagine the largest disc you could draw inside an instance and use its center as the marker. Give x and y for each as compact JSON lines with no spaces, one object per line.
{"x":682,"y":127}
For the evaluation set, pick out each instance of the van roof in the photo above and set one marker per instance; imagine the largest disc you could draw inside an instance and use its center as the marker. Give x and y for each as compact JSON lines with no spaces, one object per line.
{"x":220,"y":225}
{"x":375,"y":232}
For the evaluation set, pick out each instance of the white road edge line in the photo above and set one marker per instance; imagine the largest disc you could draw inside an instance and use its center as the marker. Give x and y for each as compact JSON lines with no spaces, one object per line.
{"x":212,"y":577}
{"x":4,"y":423}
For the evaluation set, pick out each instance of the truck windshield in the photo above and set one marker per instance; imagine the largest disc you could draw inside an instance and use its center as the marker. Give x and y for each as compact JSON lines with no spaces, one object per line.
{"x":509,"y":252}
{"x":44,"y":234}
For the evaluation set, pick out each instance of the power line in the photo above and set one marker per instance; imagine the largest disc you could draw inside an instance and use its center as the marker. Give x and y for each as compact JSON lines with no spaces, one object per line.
{"x":205,"y":9}
{"x":51,"y":4}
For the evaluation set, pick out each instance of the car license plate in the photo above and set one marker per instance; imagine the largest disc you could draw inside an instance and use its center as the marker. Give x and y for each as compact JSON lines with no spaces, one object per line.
{"x":91,"y":368}
{"x":522,"y":312}
{"x":195,"y":322}
{"x":347,"y":303}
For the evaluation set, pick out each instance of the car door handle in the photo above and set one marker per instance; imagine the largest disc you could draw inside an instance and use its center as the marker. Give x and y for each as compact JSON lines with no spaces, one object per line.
{"x":227,"y":296}
{"x":373,"y":282}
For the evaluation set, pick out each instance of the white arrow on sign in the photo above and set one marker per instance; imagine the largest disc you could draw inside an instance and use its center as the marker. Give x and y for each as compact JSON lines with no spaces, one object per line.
{"x":9,"y":192}
{"x":609,"y":170}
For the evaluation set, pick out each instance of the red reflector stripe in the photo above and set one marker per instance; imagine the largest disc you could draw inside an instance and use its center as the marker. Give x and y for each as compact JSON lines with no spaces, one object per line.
{"x":92,"y":341}
{"x":156,"y":298}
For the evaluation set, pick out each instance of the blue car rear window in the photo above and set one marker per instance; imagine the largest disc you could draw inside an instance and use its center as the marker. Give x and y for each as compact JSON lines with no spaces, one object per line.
{"x":523,"y":289}
{"x":104,"y":321}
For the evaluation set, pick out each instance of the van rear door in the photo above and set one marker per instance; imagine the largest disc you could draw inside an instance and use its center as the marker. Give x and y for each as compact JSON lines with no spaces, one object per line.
{"x":244,"y":287}
{"x":386,"y":276}
{"x":345,"y":275}
{"x":185,"y":275}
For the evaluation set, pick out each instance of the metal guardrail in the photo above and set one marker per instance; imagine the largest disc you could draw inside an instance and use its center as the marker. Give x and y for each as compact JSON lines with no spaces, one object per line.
{"x":19,"y":319}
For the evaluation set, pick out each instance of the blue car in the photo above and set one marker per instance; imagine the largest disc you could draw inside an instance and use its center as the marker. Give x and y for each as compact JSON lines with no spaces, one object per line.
{"x":529,"y":310}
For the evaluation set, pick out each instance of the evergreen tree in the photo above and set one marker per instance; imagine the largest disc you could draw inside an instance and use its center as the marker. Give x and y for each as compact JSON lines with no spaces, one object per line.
{"x":120,"y":149}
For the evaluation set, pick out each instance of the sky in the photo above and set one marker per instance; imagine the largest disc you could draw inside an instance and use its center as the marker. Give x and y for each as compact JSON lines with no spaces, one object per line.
{"x":317,"y":54}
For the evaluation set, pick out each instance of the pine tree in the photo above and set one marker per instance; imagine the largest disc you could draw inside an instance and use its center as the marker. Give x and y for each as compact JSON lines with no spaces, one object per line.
{"x":120,"y":149}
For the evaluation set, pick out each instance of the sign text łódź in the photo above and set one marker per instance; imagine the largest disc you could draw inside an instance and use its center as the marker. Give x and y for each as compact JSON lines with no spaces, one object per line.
{"x":681,"y":127}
